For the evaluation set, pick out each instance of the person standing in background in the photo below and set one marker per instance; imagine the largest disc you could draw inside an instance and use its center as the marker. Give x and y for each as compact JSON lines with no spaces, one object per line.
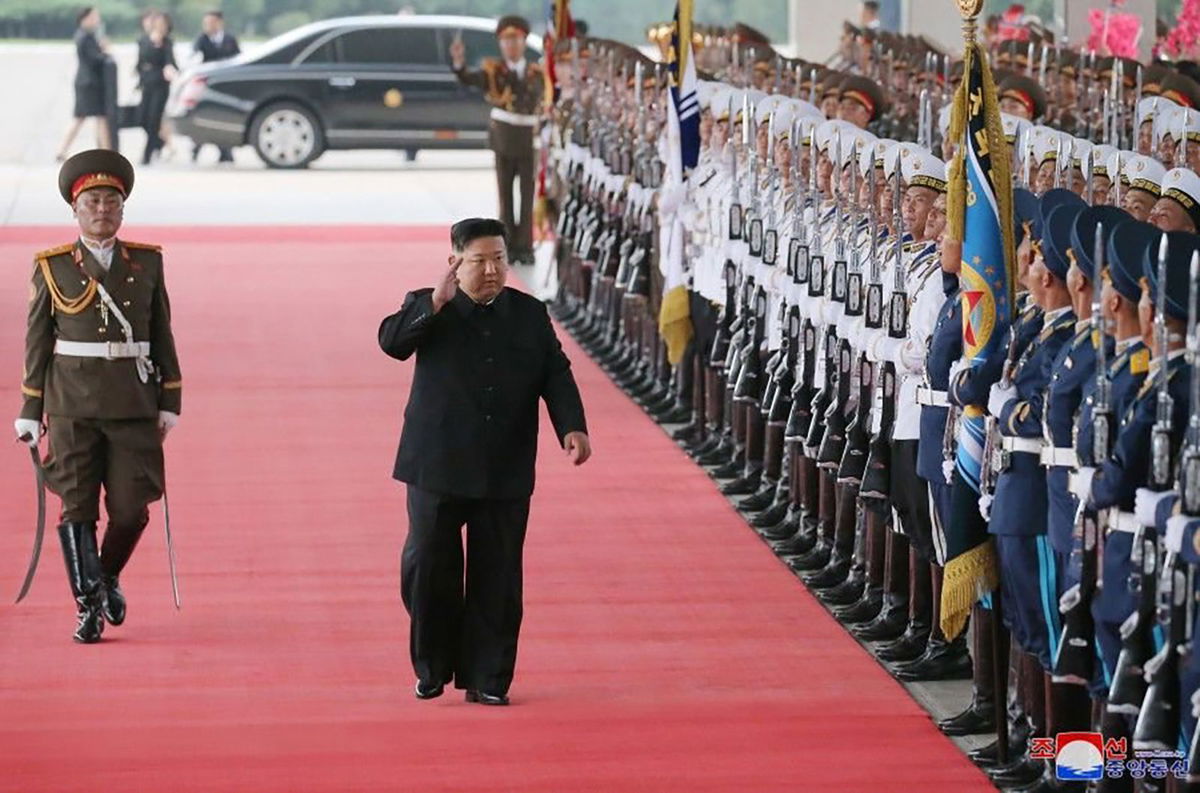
{"x":214,"y":44}
{"x":515,"y":89}
{"x":156,"y":69}
{"x":92,"y":51}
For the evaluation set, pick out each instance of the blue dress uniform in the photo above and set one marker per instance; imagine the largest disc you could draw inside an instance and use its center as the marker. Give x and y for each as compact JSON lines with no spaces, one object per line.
{"x":1073,"y":371}
{"x":1114,"y":602}
{"x":1029,"y":571}
{"x":945,"y":347}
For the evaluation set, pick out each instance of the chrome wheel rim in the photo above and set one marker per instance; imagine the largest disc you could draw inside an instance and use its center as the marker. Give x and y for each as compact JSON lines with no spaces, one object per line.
{"x":286,"y":137}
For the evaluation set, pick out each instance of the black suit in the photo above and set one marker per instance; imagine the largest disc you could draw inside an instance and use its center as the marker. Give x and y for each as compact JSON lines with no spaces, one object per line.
{"x":467,"y":453}
{"x":212,"y":51}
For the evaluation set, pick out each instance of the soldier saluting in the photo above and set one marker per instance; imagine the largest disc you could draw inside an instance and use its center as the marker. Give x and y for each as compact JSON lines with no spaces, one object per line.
{"x":515,"y":89}
{"x":100,"y":366}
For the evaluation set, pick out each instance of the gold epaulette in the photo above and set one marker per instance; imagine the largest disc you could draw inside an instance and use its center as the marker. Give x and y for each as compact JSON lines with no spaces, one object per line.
{"x":142,"y":246}
{"x":1139,"y":362}
{"x":55,"y":251}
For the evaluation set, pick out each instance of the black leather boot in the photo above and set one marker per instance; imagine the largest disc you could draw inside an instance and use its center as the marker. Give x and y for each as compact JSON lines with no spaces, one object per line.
{"x":773,"y":515}
{"x":848,"y":592}
{"x":83,"y":574}
{"x":912,"y":643}
{"x":863,"y":611}
{"x":888,"y":625}
{"x":745,"y":484}
{"x":942,"y":660}
{"x":113,"y":600}
{"x":760,"y":500}
{"x":980,"y":716}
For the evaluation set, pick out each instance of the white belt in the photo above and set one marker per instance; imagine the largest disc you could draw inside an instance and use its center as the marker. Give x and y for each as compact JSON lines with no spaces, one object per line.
{"x":1125,"y":522}
{"x":102,"y":349}
{"x":1064,"y":457}
{"x":930,"y":398}
{"x":518,"y":119}
{"x":1023,"y":445}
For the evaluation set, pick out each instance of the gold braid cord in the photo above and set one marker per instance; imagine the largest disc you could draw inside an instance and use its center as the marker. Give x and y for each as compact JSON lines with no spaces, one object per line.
{"x":62,"y":303}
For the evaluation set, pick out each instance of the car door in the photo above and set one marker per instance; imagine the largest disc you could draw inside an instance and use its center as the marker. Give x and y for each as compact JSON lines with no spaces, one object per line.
{"x":389,"y":84}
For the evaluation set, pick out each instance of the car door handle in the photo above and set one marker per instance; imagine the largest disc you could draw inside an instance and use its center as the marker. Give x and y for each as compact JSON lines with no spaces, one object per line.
{"x":342,"y":82}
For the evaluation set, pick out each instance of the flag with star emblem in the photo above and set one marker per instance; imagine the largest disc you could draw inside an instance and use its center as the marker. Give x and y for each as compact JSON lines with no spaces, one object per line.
{"x":980,"y":210}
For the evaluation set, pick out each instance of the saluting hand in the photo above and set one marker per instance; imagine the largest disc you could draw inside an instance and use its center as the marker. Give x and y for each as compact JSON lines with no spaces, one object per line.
{"x":458,"y":53}
{"x":444,"y":292}
{"x":578,"y":447}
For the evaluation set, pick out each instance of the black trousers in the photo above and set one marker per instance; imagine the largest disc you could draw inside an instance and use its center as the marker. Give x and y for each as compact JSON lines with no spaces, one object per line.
{"x":154,"y":103}
{"x":464,"y":628}
{"x":910,"y":497}
{"x":511,"y":168}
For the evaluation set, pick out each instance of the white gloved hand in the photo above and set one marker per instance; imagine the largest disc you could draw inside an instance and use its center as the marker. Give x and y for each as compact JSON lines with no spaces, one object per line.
{"x":1176,"y":524}
{"x":1196,"y":703}
{"x":1081,"y":483}
{"x":29,"y":431}
{"x":959,"y":365}
{"x":1145,"y":505}
{"x":985,"y":506}
{"x":998,"y":397}
{"x":888,"y":349}
{"x":167,"y":421}
{"x":948,"y":471}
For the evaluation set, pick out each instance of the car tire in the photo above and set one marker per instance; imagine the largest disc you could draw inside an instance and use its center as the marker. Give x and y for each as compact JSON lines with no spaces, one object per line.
{"x":287,"y":135}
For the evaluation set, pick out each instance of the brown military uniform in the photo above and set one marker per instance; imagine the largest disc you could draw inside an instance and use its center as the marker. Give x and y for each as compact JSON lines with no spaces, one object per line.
{"x":102,"y":418}
{"x":521,"y":96}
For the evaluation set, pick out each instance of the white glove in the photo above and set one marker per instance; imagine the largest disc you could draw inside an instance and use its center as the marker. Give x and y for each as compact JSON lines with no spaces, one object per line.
{"x":167,"y":421}
{"x":1000,"y":396}
{"x":28,"y":431}
{"x":1196,"y":703}
{"x":1081,"y":483}
{"x":1176,"y":525}
{"x":985,"y":506}
{"x":948,"y":471}
{"x":1145,"y":505}
{"x":956,"y":367}
{"x":888,"y":349}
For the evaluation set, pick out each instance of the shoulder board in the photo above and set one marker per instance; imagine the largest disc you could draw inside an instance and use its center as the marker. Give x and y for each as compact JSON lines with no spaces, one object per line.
{"x":142,"y":246}
{"x":1139,"y":362}
{"x":56,"y":251}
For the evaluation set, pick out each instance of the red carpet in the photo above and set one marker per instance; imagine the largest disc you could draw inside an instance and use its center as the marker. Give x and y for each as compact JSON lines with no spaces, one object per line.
{"x":664,"y":648}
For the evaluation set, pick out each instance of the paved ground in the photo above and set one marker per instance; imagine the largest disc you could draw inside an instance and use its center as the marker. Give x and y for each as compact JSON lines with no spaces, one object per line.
{"x":371,"y":187}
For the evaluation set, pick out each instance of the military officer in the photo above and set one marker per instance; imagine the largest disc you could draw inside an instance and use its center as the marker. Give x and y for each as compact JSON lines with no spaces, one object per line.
{"x":514,"y":88}
{"x":101,"y":372}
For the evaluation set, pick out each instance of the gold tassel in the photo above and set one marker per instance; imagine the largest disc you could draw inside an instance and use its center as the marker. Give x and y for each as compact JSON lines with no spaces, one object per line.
{"x":967,"y":578}
{"x":69,"y":306}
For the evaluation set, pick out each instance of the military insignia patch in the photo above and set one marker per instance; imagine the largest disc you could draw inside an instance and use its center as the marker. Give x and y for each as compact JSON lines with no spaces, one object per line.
{"x":1139,"y":362}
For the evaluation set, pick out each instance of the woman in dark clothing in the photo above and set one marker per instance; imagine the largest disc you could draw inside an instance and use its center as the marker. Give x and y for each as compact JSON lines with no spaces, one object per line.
{"x":156,"y":68}
{"x":89,"y":80}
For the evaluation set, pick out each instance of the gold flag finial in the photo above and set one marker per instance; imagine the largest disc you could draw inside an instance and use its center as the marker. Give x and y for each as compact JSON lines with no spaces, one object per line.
{"x":970,"y":8}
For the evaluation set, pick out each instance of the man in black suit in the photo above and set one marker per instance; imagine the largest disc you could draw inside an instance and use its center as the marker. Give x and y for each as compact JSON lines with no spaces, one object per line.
{"x":214,"y":44}
{"x":485,"y":356}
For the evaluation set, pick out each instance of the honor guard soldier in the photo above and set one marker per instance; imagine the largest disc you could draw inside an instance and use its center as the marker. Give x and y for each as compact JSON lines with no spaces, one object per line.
{"x":515,"y":89}
{"x":101,"y":371}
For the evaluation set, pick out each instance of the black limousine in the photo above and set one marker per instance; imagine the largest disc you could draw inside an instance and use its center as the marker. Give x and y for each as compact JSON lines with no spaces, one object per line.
{"x":368,"y":82}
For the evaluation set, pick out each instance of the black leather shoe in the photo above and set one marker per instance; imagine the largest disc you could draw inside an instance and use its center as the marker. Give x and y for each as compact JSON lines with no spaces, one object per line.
{"x":828,"y":576}
{"x":427,"y":690}
{"x":770,"y":516}
{"x":484,"y":698}
{"x":863,"y":611}
{"x":816,"y":559}
{"x":785,"y":529}
{"x":909,"y":647}
{"x":1022,"y":773}
{"x":730,"y":470}
{"x":686,"y":435}
{"x":988,"y":756}
{"x":762,"y":498}
{"x":718,"y":456}
{"x":743,"y":485}
{"x":941,"y":661}
{"x":977,"y":719}
{"x":888,"y":626}
{"x":675,"y":415}
{"x":847,"y":593}
{"x":113,"y":600}
{"x":795,"y":546}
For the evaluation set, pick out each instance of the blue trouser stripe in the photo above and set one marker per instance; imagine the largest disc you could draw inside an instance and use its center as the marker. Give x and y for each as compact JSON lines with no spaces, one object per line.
{"x":1049,"y":593}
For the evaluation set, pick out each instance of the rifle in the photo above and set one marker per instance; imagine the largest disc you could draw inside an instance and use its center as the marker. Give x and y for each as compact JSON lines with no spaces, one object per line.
{"x":1075,"y":661}
{"x":876,"y":482}
{"x":858,"y":434}
{"x":1129,"y":684}
{"x":735,"y":208}
{"x":1158,"y":723}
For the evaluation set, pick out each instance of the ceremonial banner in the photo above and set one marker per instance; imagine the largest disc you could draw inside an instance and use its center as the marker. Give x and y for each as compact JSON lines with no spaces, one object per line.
{"x":981,"y":215}
{"x":683,"y":117}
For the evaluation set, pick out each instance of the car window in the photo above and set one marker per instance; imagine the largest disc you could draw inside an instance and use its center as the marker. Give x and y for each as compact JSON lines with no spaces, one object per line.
{"x":287,"y":50}
{"x":408,"y":46}
{"x":326,"y":53}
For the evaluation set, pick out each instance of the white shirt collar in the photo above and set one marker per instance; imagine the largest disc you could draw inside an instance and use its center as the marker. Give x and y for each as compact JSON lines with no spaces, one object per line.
{"x":1052,"y":316}
{"x":1125,"y":344}
{"x":102,"y":250}
{"x":517,"y":66}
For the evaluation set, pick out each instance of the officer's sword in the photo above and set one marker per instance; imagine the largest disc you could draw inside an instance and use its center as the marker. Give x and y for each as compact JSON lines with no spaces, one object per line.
{"x":170,"y":545}
{"x":40,"y":530}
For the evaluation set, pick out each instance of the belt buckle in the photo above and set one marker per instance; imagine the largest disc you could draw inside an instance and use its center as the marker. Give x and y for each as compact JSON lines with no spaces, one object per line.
{"x":112,"y":350}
